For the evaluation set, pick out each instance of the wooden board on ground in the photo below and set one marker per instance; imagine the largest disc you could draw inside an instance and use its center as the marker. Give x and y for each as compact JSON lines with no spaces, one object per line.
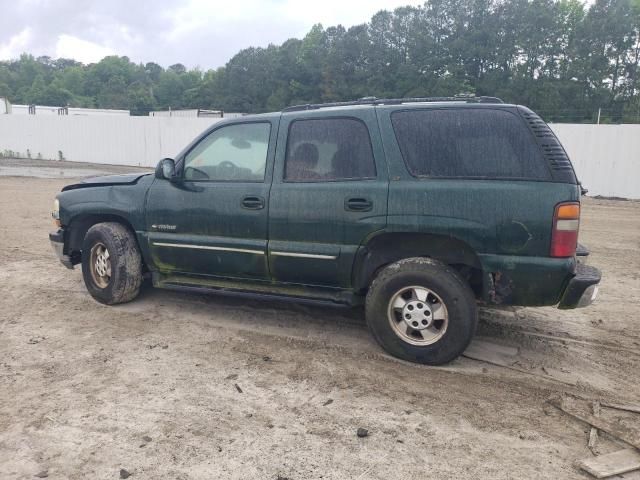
{"x":491,"y":353}
{"x":612,"y":463}
{"x":623,"y":432}
{"x":593,"y":434}
{"x":626,"y":408}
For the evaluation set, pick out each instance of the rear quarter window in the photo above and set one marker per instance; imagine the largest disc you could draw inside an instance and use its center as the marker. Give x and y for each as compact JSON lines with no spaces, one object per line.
{"x":471,"y":143}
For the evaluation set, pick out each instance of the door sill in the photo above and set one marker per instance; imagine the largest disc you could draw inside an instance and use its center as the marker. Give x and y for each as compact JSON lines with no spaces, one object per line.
{"x":256,"y":289}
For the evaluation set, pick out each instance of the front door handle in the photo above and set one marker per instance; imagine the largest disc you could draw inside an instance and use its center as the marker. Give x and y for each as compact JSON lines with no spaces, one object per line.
{"x":253,"y":203}
{"x":358,"y":204}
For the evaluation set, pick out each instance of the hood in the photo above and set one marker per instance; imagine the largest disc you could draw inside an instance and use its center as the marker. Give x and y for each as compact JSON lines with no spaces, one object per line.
{"x":107,"y":180}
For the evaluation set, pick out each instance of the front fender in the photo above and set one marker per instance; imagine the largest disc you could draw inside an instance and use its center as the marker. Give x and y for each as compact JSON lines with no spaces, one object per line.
{"x":126,"y":201}
{"x":82,"y":208}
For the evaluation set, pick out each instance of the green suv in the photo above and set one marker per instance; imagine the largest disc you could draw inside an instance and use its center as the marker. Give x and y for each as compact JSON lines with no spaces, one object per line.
{"x":420,"y":209}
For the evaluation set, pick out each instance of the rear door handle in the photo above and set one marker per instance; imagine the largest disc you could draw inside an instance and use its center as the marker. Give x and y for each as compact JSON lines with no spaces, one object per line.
{"x":358,"y":204}
{"x":253,"y":203}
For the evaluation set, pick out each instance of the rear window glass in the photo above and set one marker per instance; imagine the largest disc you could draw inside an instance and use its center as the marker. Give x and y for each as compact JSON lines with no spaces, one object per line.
{"x":477,"y":143}
{"x":328,"y":149}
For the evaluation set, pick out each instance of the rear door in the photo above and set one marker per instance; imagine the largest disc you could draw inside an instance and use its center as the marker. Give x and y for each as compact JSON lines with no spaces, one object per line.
{"x":329,"y":194}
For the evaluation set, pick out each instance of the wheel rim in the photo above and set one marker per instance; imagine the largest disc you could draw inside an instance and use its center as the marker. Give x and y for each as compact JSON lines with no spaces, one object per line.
{"x":418,"y":315}
{"x":100,"y":265}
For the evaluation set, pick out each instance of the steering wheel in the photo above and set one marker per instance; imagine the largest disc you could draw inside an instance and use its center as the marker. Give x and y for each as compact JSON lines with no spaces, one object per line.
{"x":227,"y":169}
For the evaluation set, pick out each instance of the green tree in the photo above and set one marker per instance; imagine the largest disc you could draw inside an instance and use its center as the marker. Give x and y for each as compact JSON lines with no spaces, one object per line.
{"x":169,"y":89}
{"x":564,"y":58}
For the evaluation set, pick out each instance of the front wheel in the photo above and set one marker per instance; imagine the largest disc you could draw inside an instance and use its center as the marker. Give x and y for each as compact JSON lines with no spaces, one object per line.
{"x":421,"y":310}
{"x":111,"y":263}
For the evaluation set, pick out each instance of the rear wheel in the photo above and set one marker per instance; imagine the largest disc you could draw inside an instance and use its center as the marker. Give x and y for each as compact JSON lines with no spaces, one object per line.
{"x":111,"y":263}
{"x":421,"y":310}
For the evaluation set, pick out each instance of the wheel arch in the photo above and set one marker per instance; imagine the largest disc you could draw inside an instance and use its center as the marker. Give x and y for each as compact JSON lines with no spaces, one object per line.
{"x":387,"y":248}
{"x":80,"y":225}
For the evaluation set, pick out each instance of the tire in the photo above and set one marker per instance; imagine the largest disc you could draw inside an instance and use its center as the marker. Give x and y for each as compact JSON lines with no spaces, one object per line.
{"x":441,"y":334}
{"x":121,"y":264}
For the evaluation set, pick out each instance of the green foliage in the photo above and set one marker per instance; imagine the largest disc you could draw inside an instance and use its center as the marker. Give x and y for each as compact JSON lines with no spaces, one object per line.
{"x":563,"y":58}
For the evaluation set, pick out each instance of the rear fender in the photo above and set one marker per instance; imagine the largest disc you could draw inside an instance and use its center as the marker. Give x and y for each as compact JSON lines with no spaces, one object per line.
{"x":387,"y":248}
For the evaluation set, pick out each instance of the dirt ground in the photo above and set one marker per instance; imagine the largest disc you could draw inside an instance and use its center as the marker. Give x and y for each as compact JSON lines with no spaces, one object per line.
{"x":186,"y":386}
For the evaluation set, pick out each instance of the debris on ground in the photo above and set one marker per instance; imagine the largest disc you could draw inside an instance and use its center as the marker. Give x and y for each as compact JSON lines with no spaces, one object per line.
{"x":328,"y":402}
{"x":362,"y":432}
{"x":238,"y":388}
{"x":623,"y":432}
{"x":124,"y":473}
{"x":618,"y":406}
{"x":496,"y":354}
{"x":593,"y":433}
{"x":491,"y":353}
{"x":42,"y":474}
{"x":615,"y":463}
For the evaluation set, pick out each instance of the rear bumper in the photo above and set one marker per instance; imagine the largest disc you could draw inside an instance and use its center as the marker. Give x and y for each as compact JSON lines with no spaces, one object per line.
{"x":525,"y":281}
{"x":539,"y":281}
{"x":57,"y":242}
{"x":582,"y":289}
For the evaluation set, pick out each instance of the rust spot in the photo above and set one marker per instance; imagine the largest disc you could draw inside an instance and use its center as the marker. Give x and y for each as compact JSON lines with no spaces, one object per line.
{"x":500,"y":288}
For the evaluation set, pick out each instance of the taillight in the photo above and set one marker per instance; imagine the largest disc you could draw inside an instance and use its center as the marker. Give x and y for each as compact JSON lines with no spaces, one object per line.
{"x":564,"y":237}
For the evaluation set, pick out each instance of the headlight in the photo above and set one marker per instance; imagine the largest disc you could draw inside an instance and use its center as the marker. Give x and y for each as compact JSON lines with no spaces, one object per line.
{"x":56,"y":212}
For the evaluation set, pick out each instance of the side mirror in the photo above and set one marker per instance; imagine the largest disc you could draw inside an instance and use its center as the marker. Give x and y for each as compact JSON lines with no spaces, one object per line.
{"x":166,"y":169}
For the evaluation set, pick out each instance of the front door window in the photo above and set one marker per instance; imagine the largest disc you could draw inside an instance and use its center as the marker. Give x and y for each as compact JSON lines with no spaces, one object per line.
{"x":232,"y":153}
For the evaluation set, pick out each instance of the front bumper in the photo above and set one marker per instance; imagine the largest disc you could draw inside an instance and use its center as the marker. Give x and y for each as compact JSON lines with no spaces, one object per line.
{"x":57,"y":242}
{"x":582,"y":289}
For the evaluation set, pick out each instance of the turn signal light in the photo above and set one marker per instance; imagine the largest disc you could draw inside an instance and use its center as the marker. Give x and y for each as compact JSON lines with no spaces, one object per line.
{"x":564,"y":237}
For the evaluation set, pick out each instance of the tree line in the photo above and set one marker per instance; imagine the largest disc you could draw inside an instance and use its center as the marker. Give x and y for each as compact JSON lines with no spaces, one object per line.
{"x":566,"y":59}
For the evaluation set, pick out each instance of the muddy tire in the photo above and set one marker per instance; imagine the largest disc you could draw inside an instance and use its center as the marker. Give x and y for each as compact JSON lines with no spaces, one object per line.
{"x":421,"y":310}
{"x":111,"y":263}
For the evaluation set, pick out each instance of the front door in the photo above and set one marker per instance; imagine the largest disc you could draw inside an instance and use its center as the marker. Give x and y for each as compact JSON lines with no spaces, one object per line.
{"x":213,"y":219}
{"x":329,"y":194}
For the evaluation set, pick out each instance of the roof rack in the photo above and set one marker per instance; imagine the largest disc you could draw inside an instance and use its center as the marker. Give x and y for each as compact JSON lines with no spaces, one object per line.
{"x":394,"y":101}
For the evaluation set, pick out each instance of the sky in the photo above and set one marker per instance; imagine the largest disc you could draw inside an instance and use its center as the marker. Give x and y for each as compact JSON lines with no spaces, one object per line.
{"x":196,"y":33}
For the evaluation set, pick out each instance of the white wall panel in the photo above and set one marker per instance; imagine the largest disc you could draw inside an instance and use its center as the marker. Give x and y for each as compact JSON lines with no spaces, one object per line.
{"x":100,"y":139}
{"x":606,"y":157}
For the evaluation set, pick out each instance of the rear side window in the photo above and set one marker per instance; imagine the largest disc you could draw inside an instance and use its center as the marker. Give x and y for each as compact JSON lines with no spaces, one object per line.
{"x":328,"y":149}
{"x":478,"y":143}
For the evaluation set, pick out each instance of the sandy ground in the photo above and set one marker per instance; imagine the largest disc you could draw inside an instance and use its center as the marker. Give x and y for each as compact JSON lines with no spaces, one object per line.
{"x":185,"y":386}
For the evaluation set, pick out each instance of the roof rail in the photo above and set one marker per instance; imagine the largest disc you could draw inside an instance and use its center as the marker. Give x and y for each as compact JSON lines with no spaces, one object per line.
{"x":394,"y":101}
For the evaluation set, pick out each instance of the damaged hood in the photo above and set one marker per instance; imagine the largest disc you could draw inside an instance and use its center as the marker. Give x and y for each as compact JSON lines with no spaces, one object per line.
{"x":106,"y":180}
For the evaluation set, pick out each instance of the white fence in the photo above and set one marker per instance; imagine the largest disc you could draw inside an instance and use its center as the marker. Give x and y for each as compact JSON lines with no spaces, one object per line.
{"x":115,"y":140}
{"x":606,"y":157}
